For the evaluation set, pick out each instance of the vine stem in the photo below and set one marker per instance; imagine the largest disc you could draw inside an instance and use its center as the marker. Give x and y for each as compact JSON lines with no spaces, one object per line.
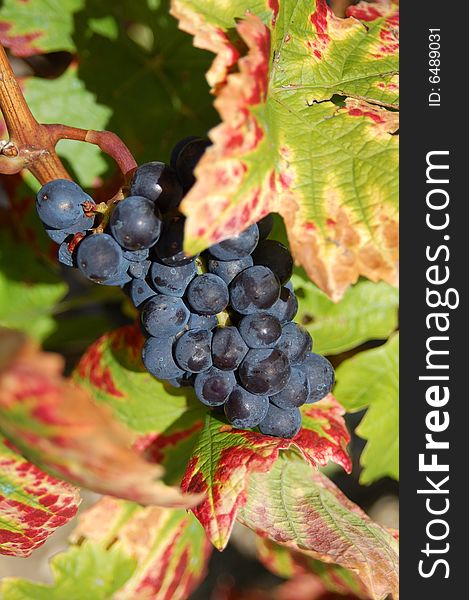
{"x":32,"y":145}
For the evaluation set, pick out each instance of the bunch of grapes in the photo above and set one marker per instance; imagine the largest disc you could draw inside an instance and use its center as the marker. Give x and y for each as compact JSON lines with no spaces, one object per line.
{"x":221,"y":321}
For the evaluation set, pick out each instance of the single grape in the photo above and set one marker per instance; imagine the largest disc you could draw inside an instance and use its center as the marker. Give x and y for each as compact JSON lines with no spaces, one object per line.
{"x":207,"y":294}
{"x":60,"y":235}
{"x":295,"y":393}
{"x":119,"y":280}
{"x":228,"y":269}
{"x":169,"y":248}
{"x":64,"y":256}
{"x":157,"y":356}
{"x":265,"y":226}
{"x":136,"y":255}
{"x":320,"y":374}
{"x":244,"y":410}
{"x":164,"y":315}
{"x":228,"y":348}
{"x":179,"y":146}
{"x":212,"y":387}
{"x":172,"y":281}
{"x":238,"y":246}
{"x":59,"y":203}
{"x":260,"y":330}
{"x":286,"y":307}
{"x":186,"y":160}
{"x":264,"y":372}
{"x":159,"y":183}
{"x":255,"y":288}
{"x":139,"y":270}
{"x":276,"y":256}
{"x":192,"y":350}
{"x":99,"y":257}
{"x":280,"y":422}
{"x":136,"y":223}
{"x":140,"y":291}
{"x":202,"y":321}
{"x":295,"y":342}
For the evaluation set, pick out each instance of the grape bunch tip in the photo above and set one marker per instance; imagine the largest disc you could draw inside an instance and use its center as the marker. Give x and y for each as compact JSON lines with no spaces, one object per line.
{"x":222,"y":321}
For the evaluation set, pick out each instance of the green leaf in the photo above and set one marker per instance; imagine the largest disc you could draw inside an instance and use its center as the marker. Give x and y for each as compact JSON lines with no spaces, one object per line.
{"x":28,"y":290}
{"x":87,"y":572}
{"x":66,"y":100}
{"x":307,"y":102}
{"x":368,"y":311}
{"x":296,"y":505}
{"x":370,"y":380}
{"x":30,"y":27}
{"x":223,"y":459}
{"x":32,"y":504}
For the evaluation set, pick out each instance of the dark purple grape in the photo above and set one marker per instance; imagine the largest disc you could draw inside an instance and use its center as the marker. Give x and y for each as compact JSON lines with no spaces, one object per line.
{"x":187,"y":158}
{"x":207,"y":294}
{"x":276,"y":257}
{"x":295,"y":393}
{"x":159,"y":183}
{"x":295,"y":342}
{"x":169,"y":249}
{"x":202,"y":321}
{"x":281,"y":423}
{"x":320,"y":374}
{"x":99,"y":257}
{"x":238,"y":246}
{"x":60,"y":235}
{"x":255,"y":288}
{"x":228,"y":269}
{"x":228,"y":348}
{"x":286,"y":307}
{"x":260,"y":330}
{"x":140,"y":291}
{"x":264,"y":372}
{"x":64,"y":256}
{"x":265,"y":226}
{"x":244,"y":410}
{"x":139,"y":270}
{"x":212,"y":387}
{"x":136,"y":255}
{"x":172,"y":281}
{"x":157,"y":356}
{"x":192,"y":350}
{"x":59,"y":203}
{"x":136,"y":223}
{"x":164,"y":316}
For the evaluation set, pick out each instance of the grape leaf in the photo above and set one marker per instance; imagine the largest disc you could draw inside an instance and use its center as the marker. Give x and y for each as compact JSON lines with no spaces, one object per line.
{"x":298,"y":506}
{"x":368,"y":311}
{"x":288,"y":144}
{"x":66,"y":100}
{"x":288,"y":563}
{"x":370,"y":379}
{"x":224,"y":457}
{"x":169,"y":545}
{"x":30,"y":27}
{"x":28,"y":290}
{"x":32,"y":504}
{"x":89,"y":571}
{"x":56,"y":424}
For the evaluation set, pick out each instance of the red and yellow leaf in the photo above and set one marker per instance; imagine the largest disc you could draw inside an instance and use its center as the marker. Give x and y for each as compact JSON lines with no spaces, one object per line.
{"x":170,"y":547}
{"x":306,"y":131}
{"x":299,"y":507}
{"x":224,"y":458}
{"x":33,"y":504}
{"x":57,"y":425}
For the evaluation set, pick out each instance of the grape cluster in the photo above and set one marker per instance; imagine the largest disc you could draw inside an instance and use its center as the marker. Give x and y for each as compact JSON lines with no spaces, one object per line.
{"x":221,"y":321}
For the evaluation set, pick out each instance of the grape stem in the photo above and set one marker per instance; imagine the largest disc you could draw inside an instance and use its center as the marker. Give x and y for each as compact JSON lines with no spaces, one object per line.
{"x":31,"y":145}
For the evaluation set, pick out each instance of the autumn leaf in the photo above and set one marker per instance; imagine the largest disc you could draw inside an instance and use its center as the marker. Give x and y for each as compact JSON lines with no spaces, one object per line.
{"x":33,"y":504}
{"x":57,"y":425}
{"x":223,"y":459}
{"x":299,"y":507}
{"x":307,"y":102}
{"x":169,"y":546}
{"x":290,"y":564}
